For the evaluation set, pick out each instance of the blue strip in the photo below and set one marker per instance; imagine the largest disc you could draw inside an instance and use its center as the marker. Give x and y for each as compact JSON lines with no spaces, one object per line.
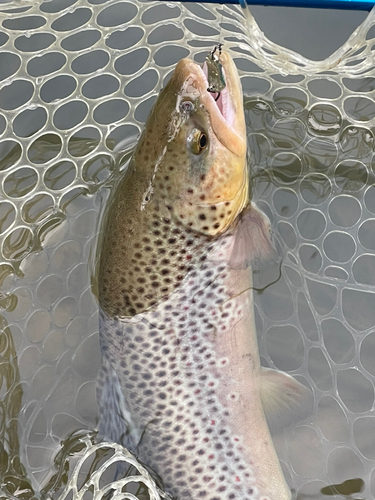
{"x":316,"y":4}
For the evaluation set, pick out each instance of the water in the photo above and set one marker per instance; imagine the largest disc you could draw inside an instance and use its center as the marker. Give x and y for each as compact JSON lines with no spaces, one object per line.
{"x":71,"y":107}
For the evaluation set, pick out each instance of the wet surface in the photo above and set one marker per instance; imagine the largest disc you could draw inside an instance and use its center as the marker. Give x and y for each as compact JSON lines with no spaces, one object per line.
{"x":63,"y":144}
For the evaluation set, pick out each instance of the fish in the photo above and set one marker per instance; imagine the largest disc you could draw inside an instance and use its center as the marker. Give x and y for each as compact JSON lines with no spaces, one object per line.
{"x":181,"y":384}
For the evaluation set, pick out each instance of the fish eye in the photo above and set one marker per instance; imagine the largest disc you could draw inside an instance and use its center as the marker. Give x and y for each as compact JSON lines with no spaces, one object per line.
{"x":203,"y":141}
{"x":197,"y":141}
{"x":187,"y":106}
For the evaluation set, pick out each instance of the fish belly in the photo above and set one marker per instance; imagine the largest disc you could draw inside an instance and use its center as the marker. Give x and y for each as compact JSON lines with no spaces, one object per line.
{"x":191,"y":389}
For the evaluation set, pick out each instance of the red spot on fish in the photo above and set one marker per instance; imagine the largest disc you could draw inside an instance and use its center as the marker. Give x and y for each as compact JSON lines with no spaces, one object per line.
{"x":188,"y":257}
{"x":197,"y":391}
{"x":236,"y":439}
{"x":211,"y":457}
{"x":213,"y":422}
{"x":238,"y":480}
{"x":211,"y":384}
{"x":206,"y":440}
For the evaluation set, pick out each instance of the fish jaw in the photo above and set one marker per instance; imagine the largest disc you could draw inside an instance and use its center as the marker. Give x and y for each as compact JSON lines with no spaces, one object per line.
{"x":226,"y":114}
{"x":223,"y":186}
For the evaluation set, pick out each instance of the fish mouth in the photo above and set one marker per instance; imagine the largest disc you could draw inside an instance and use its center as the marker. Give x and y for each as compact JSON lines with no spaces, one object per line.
{"x":221,"y":98}
{"x":226,"y":107}
{"x":226,"y":110}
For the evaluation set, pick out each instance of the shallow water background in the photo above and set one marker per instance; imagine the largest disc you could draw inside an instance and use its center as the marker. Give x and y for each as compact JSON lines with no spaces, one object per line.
{"x":77,"y":80}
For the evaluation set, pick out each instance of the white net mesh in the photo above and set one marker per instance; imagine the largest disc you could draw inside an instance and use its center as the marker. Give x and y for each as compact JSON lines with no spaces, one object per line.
{"x":77,"y":81}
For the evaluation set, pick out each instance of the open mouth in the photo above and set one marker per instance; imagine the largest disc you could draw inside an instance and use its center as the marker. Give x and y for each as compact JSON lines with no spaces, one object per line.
{"x":221,"y":99}
{"x":218,"y":86}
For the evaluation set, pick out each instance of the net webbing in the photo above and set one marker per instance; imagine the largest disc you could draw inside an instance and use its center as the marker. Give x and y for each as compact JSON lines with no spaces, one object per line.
{"x":77,"y":81}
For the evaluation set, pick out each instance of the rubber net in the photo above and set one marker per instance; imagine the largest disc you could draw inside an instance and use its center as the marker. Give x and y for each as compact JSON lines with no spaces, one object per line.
{"x":77,"y":81}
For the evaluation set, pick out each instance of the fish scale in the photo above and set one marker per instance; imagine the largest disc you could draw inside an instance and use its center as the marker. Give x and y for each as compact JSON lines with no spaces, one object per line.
{"x":159,"y":258}
{"x":181,"y":380}
{"x":174,"y":376}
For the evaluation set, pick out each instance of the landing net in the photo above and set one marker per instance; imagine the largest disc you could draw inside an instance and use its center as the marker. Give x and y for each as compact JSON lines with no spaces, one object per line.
{"x":77,"y":81}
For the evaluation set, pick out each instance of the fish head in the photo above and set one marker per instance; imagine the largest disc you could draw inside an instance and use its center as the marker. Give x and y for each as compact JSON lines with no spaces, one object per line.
{"x":194,"y":148}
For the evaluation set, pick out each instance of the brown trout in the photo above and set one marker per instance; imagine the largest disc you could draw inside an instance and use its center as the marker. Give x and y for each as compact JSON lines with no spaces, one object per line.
{"x":181,"y":383}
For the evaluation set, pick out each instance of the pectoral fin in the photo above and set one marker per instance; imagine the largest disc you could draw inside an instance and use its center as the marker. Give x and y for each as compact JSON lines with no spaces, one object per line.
{"x":284,"y":399}
{"x":252,"y":239}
